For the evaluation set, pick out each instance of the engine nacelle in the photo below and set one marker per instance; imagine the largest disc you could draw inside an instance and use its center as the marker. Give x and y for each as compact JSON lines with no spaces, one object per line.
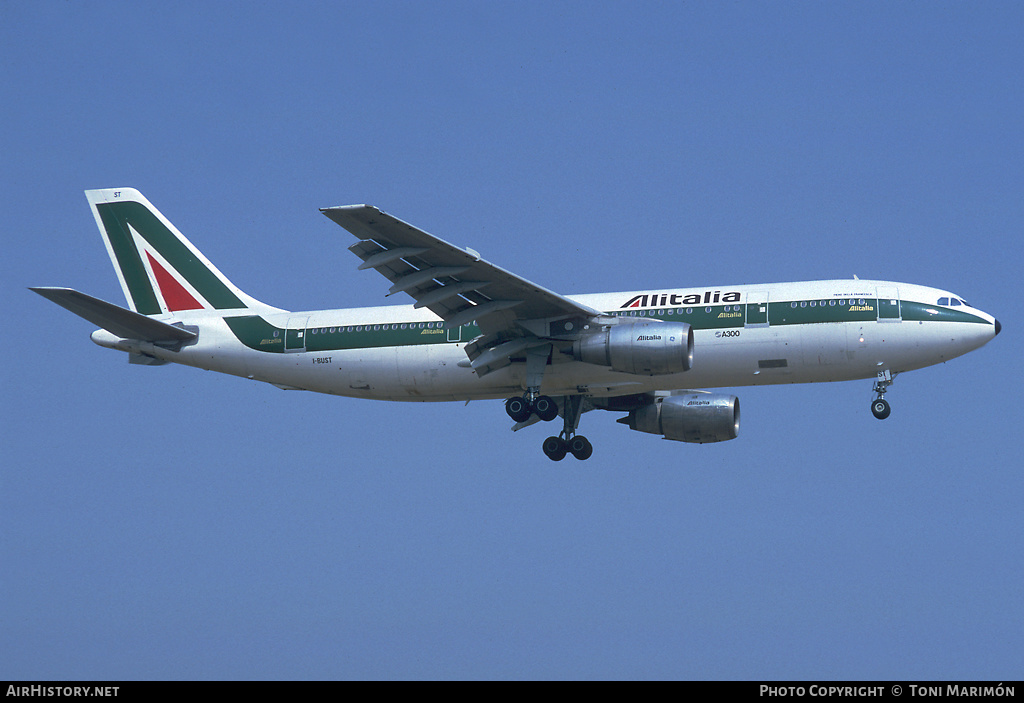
{"x":691,"y":417}
{"x":642,"y":347}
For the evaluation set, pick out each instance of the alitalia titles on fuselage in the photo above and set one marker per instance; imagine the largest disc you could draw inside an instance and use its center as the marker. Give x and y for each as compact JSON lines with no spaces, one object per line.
{"x":656,"y":300}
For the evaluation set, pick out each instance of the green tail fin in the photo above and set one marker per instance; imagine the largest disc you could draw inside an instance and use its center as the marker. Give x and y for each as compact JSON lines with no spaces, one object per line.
{"x":159,"y":269}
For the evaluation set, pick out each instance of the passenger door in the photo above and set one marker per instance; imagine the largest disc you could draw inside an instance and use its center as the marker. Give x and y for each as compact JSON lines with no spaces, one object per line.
{"x":757,"y":309}
{"x":888,"y":305}
{"x":295,"y":334}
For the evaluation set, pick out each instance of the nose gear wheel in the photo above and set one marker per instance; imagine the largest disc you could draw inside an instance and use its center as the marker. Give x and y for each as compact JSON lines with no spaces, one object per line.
{"x":880,"y":408}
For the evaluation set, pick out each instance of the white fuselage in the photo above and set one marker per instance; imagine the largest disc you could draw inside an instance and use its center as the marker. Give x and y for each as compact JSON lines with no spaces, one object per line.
{"x":813,"y":332}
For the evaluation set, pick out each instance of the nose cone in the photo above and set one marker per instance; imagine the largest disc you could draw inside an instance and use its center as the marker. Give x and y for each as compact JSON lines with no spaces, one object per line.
{"x":999,"y":327}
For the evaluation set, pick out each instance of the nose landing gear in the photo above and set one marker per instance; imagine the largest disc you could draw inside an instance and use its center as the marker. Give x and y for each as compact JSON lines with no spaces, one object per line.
{"x":879,"y":406}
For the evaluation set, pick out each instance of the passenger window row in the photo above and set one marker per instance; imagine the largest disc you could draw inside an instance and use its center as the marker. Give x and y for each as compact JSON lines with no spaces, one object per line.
{"x":831,"y":303}
{"x":674,"y":311}
{"x":375,"y":328}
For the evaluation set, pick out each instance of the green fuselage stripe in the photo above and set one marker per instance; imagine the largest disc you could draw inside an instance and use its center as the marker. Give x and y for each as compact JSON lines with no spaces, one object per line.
{"x":256,"y":333}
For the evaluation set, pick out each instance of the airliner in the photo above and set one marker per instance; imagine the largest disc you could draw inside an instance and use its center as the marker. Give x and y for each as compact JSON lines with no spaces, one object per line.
{"x":476,"y":331}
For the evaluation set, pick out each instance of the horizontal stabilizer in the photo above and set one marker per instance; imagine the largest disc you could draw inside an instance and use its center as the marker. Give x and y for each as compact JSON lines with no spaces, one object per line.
{"x":116,"y":320}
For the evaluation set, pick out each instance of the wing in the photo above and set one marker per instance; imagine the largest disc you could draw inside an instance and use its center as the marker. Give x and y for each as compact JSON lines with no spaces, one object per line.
{"x":457,"y":285}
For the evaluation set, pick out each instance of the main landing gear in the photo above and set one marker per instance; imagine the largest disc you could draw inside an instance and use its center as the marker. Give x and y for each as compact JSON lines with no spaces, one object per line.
{"x":520,"y":409}
{"x":879,"y":406}
{"x":567,"y":441}
{"x":557,"y":447}
{"x":532,"y":402}
{"x":545,"y":408}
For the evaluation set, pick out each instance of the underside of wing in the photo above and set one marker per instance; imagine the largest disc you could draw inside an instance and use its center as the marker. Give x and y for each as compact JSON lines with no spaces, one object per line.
{"x":459,"y":286}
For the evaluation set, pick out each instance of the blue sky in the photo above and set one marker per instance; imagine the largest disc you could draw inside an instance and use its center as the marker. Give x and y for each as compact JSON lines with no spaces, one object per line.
{"x":172,"y":523}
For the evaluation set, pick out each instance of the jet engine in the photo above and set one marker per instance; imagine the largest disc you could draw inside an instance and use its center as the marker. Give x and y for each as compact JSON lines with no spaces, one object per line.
{"x":689,"y":417}
{"x":647,"y":347}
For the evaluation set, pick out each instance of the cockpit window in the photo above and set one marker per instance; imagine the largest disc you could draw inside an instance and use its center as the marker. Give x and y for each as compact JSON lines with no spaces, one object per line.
{"x":943,"y":301}
{"x":954,"y":301}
